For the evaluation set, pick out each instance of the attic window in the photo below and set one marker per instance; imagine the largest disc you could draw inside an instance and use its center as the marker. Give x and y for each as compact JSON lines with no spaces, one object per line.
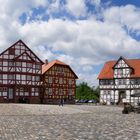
{"x":12,"y":51}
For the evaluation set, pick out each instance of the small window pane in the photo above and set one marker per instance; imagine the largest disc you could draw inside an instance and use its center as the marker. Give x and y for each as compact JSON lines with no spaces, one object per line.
{"x":36,"y":94}
{"x":29,"y":65}
{"x":18,"y":64}
{"x":29,"y":77}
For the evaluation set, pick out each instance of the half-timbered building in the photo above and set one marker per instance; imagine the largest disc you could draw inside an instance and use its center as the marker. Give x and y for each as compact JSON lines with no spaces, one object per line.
{"x":20,"y":73}
{"x":59,"y":82}
{"x":119,"y":81}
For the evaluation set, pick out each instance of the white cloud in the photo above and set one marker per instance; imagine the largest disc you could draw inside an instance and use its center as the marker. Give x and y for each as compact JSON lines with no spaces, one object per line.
{"x":81,"y":43}
{"x":54,"y":7}
{"x":76,"y":7}
{"x":125,"y":15}
{"x":91,"y":79}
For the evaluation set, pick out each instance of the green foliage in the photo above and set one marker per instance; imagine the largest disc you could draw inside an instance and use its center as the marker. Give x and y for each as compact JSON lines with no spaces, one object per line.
{"x":83,"y":91}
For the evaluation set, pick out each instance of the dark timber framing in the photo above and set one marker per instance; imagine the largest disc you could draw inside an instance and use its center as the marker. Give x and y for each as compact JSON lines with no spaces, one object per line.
{"x":59,"y":82}
{"x":120,"y":81}
{"x":20,"y":74}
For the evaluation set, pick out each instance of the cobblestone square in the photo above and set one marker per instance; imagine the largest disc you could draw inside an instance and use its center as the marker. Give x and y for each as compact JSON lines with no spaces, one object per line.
{"x":70,"y":122}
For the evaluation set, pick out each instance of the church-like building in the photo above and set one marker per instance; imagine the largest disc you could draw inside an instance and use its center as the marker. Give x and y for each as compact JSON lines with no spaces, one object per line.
{"x":20,"y":74}
{"x":119,"y":80}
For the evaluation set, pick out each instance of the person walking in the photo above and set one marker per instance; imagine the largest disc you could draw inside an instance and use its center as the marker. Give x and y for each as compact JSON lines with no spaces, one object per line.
{"x":61,"y":102}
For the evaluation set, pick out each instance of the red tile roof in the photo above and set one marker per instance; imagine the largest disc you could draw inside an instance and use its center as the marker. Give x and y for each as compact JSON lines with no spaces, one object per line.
{"x":46,"y":67}
{"x":107,"y":71}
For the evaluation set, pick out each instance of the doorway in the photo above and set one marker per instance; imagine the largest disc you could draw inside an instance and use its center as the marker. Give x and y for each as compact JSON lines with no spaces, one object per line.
{"x":122,"y":95}
{"x":10,"y":93}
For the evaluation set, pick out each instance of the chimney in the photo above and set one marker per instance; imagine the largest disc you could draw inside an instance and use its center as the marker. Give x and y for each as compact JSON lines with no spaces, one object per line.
{"x":46,"y":61}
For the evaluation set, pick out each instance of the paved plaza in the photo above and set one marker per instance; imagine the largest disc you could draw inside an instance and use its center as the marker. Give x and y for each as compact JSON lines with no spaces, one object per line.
{"x":71,"y":122}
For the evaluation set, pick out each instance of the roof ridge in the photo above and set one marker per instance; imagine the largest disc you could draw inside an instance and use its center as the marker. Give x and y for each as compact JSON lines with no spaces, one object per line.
{"x":46,"y":67}
{"x":107,"y":72}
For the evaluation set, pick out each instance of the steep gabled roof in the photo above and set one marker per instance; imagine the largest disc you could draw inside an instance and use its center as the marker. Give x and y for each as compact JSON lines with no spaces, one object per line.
{"x":125,"y":60}
{"x":46,"y":67}
{"x":20,"y":41}
{"x":107,"y":71}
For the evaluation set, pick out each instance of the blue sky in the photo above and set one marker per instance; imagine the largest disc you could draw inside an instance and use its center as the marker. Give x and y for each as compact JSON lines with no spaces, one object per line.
{"x":125,"y":2}
{"x":82,"y":33}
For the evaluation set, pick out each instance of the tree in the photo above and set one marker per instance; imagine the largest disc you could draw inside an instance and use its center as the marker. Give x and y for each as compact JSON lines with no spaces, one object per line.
{"x":83,"y":91}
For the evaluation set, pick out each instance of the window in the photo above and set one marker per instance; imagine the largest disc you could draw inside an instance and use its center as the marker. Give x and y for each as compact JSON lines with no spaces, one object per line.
{"x":29,"y":78}
{"x":70,"y":81}
{"x":29,"y":65}
{"x":36,"y":89}
{"x":5,"y":63}
{"x":11,"y":63}
{"x":128,"y":71}
{"x":18,"y":64}
{"x":107,"y":92}
{"x":60,"y":70}
{"x":60,"y":91}
{"x":50,"y":91}
{"x":11,"y":76}
{"x":120,"y":71}
{"x":17,"y":51}
{"x":1,"y":89}
{"x":136,"y":81}
{"x":50,"y":79}
{"x":4,"y":93}
{"x":26,"y":94}
{"x":1,"y":76}
{"x":122,"y":81}
{"x":17,"y":77}
{"x":136,"y":91}
{"x":37,"y":78}
{"x":23,"y":64}
{"x":106,"y":82}
{"x":23,"y":77}
{"x":33,"y":89}
{"x":21,"y":94}
{"x":70,"y":91}
{"x":37,"y":66}
{"x":36,"y":94}
{"x":132,"y":81}
{"x":60,"y":81}
{"x":5,"y":76}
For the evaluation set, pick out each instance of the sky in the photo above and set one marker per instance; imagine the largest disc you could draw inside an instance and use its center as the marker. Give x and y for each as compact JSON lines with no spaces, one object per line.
{"x":82,"y":33}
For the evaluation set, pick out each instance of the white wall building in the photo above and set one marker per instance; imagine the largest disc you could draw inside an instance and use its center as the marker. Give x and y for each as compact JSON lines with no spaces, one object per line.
{"x":118,"y":80}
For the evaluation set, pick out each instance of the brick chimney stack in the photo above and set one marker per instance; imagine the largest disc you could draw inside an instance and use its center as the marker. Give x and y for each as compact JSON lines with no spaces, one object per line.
{"x":46,"y":61}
